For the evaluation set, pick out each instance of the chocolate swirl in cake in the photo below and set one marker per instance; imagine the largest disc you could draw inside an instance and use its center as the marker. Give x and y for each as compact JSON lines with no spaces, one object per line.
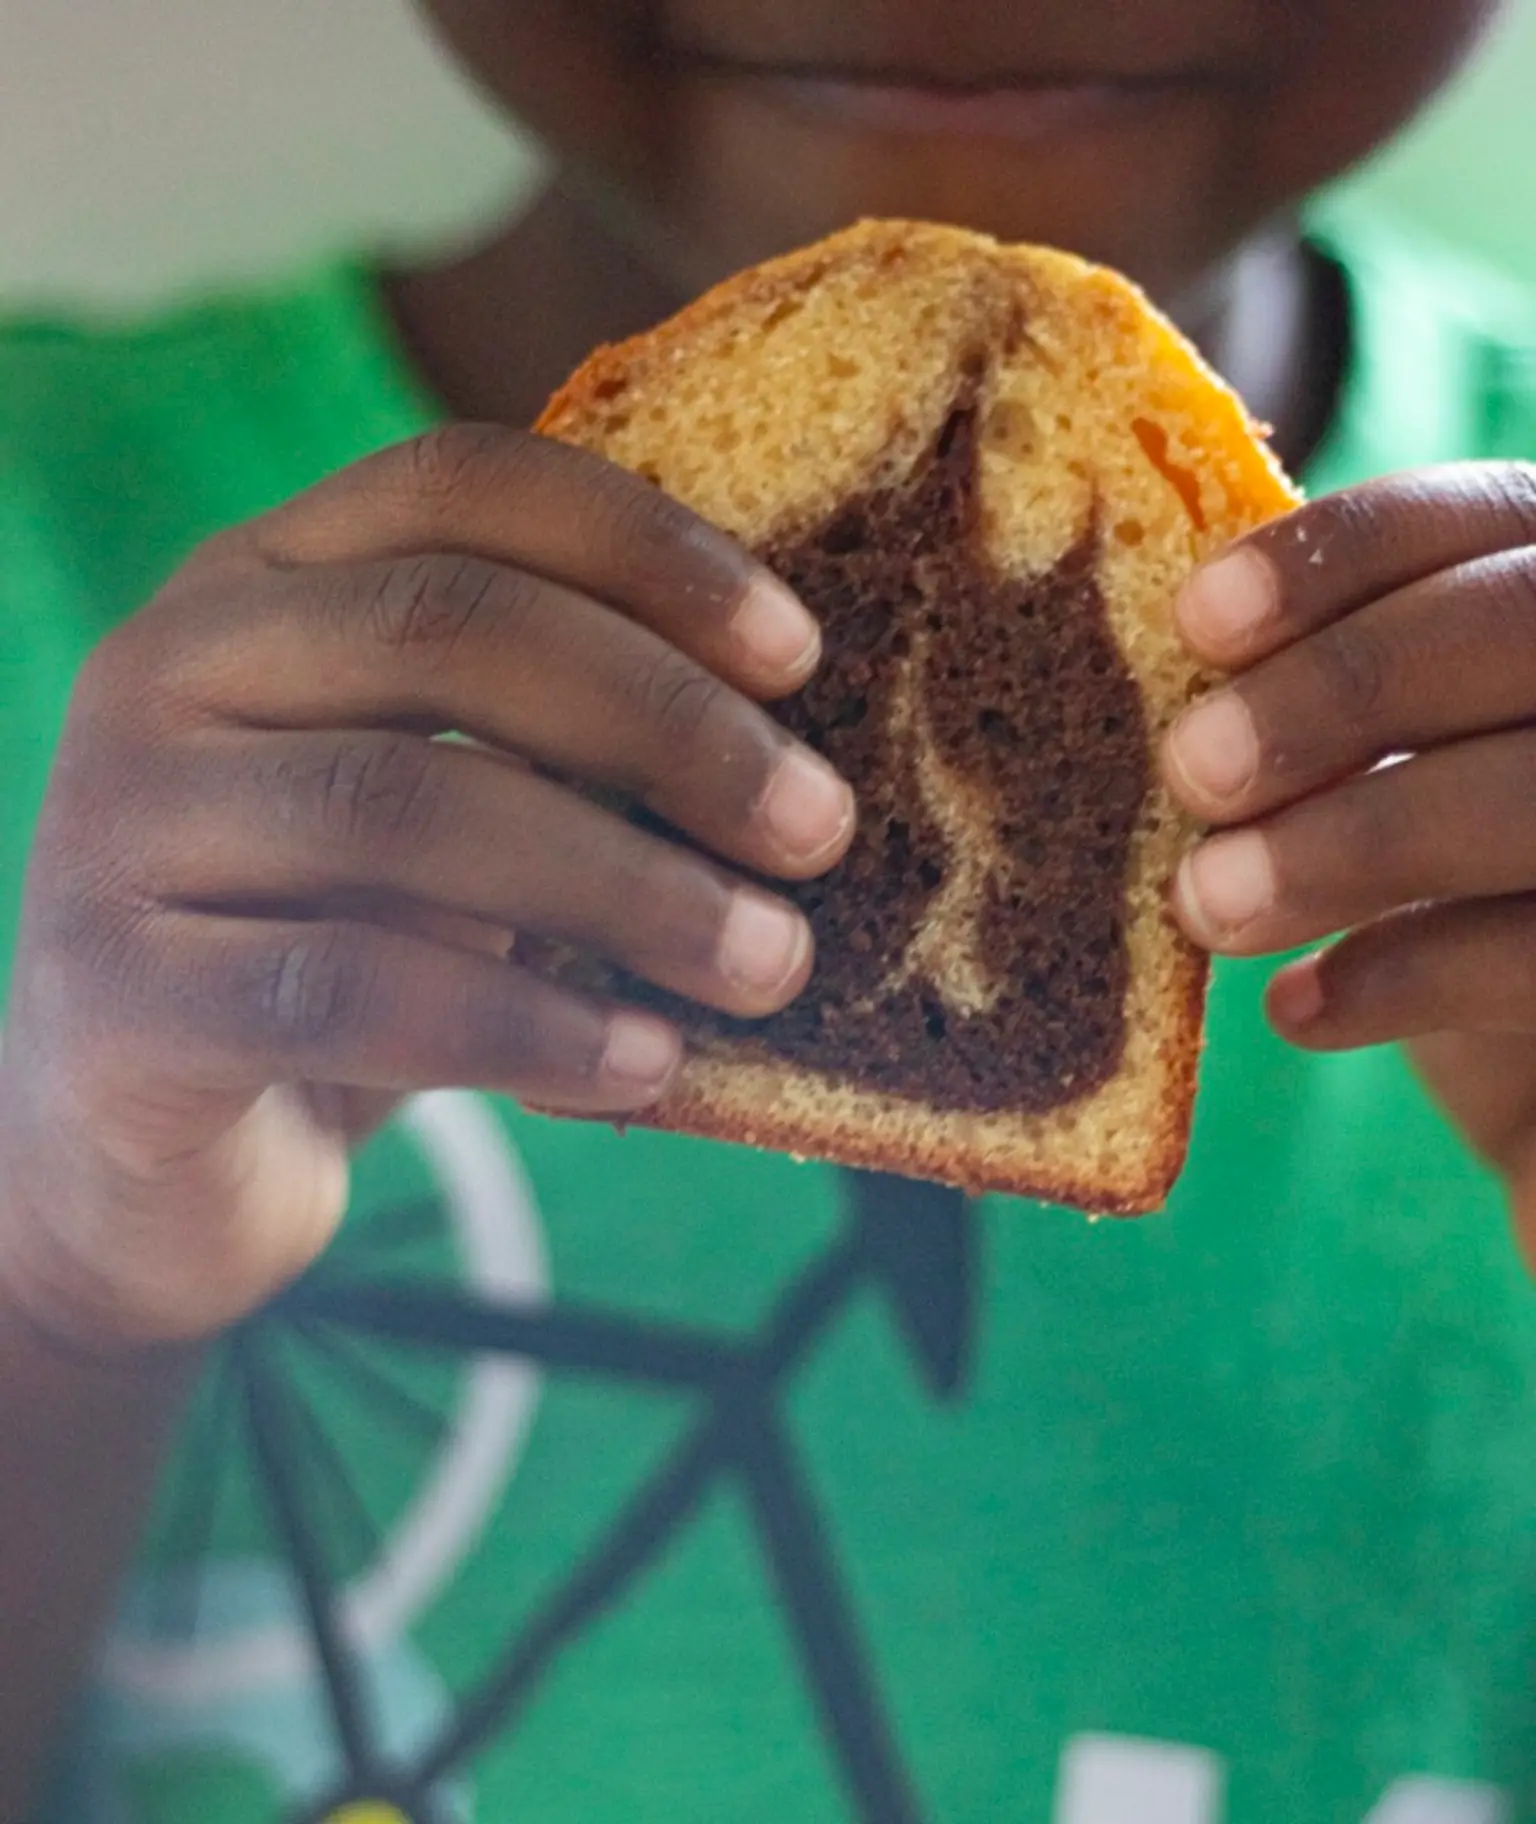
{"x":971,"y":946}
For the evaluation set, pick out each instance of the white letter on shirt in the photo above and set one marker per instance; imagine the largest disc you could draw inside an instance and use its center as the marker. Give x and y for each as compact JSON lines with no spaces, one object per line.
{"x":1423,"y":1801}
{"x":1111,"y":1779}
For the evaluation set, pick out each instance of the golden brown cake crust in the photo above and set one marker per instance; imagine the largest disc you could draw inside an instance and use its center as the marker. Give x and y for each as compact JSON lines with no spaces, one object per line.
{"x":789,"y":390}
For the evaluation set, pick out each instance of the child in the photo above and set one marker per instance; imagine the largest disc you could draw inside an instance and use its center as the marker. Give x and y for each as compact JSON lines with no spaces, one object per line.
{"x":603,"y":1477}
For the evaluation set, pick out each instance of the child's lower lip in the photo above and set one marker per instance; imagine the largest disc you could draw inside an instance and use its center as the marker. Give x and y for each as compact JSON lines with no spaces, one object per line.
{"x":1018,"y":113}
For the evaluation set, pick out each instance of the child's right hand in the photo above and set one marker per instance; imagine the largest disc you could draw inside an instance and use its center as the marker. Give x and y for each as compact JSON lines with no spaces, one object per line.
{"x":264,"y":902}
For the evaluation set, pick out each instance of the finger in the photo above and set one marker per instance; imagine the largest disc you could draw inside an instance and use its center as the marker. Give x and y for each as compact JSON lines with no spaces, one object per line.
{"x":567,"y":515}
{"x":310,"y":819}
{"x":1467,"y":968}
{"x":1300,"y":572}
{"x":245,"y":1002}
{"x":1456,"y":823}
{"x":1450,"y":656}
{"x":449,"y":643}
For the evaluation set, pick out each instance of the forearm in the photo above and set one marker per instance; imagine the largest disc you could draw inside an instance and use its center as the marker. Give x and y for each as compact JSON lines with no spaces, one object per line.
{"x":80,"y":1440}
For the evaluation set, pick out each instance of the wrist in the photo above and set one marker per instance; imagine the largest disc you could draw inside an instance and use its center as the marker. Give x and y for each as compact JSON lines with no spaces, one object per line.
{"x":59,"y":1342}
{"x":39,"y":1321}
{"x":49,"y":1300}
{"x":38,"y":1352}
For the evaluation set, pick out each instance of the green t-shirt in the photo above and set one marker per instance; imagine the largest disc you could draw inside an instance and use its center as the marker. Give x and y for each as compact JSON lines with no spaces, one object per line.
{"x":619,"y":1478}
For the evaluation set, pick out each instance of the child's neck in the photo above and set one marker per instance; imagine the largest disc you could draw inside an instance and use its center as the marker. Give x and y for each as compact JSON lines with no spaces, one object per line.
{"x":495,"y":332}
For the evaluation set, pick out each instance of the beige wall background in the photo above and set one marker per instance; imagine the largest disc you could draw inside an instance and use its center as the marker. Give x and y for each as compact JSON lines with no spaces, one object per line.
{"x":151,"y":145}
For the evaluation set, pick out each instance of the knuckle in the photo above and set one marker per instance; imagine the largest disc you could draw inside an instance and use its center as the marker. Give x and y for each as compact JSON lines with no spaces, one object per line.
{"x":99,"y":693}
{"x":104,"y":817}
{"x":1518,"y":955}
{"x":120,"y":677}
{"x":315,"y":991}
{"x":683,"y":703}
{"x":1357,"y":520}
{"x":446,"y":467}
{"x":646,"y":520}
{"x":91,"y":977}
{"x":1513,"y":485}
{"x":233,"y":548}
{"x":153,"y":671}
{"x":89,"y":930}
{"x":662,"y":546}
{"x":376,"y":789}
{"x":1355,"y":670}
{"x":1517,"y":784}
{"x":89,"y":886}
{"x":1508,"y":583}
{"x":428,"y":606}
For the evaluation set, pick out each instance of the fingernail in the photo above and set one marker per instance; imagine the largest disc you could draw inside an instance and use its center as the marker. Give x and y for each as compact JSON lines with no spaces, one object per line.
{"x":808,"y":808}
{"x":762,"y":943}
{"x":1224,"y":604}
{"x":776,"y":628}
{"x":1225,"y":884}
{"x":1296,"y":993}
{"x":640,"y":1051}
{"x":1214,"y":748}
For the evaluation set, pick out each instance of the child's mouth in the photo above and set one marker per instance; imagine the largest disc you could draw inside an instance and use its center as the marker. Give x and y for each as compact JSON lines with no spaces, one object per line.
{"x":926,"y":109}
{"x":915,"y":105}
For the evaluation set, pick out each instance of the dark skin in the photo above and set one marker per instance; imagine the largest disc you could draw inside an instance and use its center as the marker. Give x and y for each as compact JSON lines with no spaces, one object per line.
{"x":202,"y":1022}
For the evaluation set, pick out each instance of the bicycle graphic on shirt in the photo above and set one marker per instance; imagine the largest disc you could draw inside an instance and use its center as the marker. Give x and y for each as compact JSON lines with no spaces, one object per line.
{"x":913,"y":1244}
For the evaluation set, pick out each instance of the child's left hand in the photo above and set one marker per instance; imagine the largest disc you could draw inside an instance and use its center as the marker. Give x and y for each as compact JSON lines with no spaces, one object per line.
{"x":1397,"y":618}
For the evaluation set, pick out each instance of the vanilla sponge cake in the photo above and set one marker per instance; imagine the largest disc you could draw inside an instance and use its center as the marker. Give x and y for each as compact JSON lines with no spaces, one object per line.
{"x":986,"y":469}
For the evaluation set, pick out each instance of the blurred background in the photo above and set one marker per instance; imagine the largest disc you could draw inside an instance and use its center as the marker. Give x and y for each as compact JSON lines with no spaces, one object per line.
{"x":147,"y":146}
